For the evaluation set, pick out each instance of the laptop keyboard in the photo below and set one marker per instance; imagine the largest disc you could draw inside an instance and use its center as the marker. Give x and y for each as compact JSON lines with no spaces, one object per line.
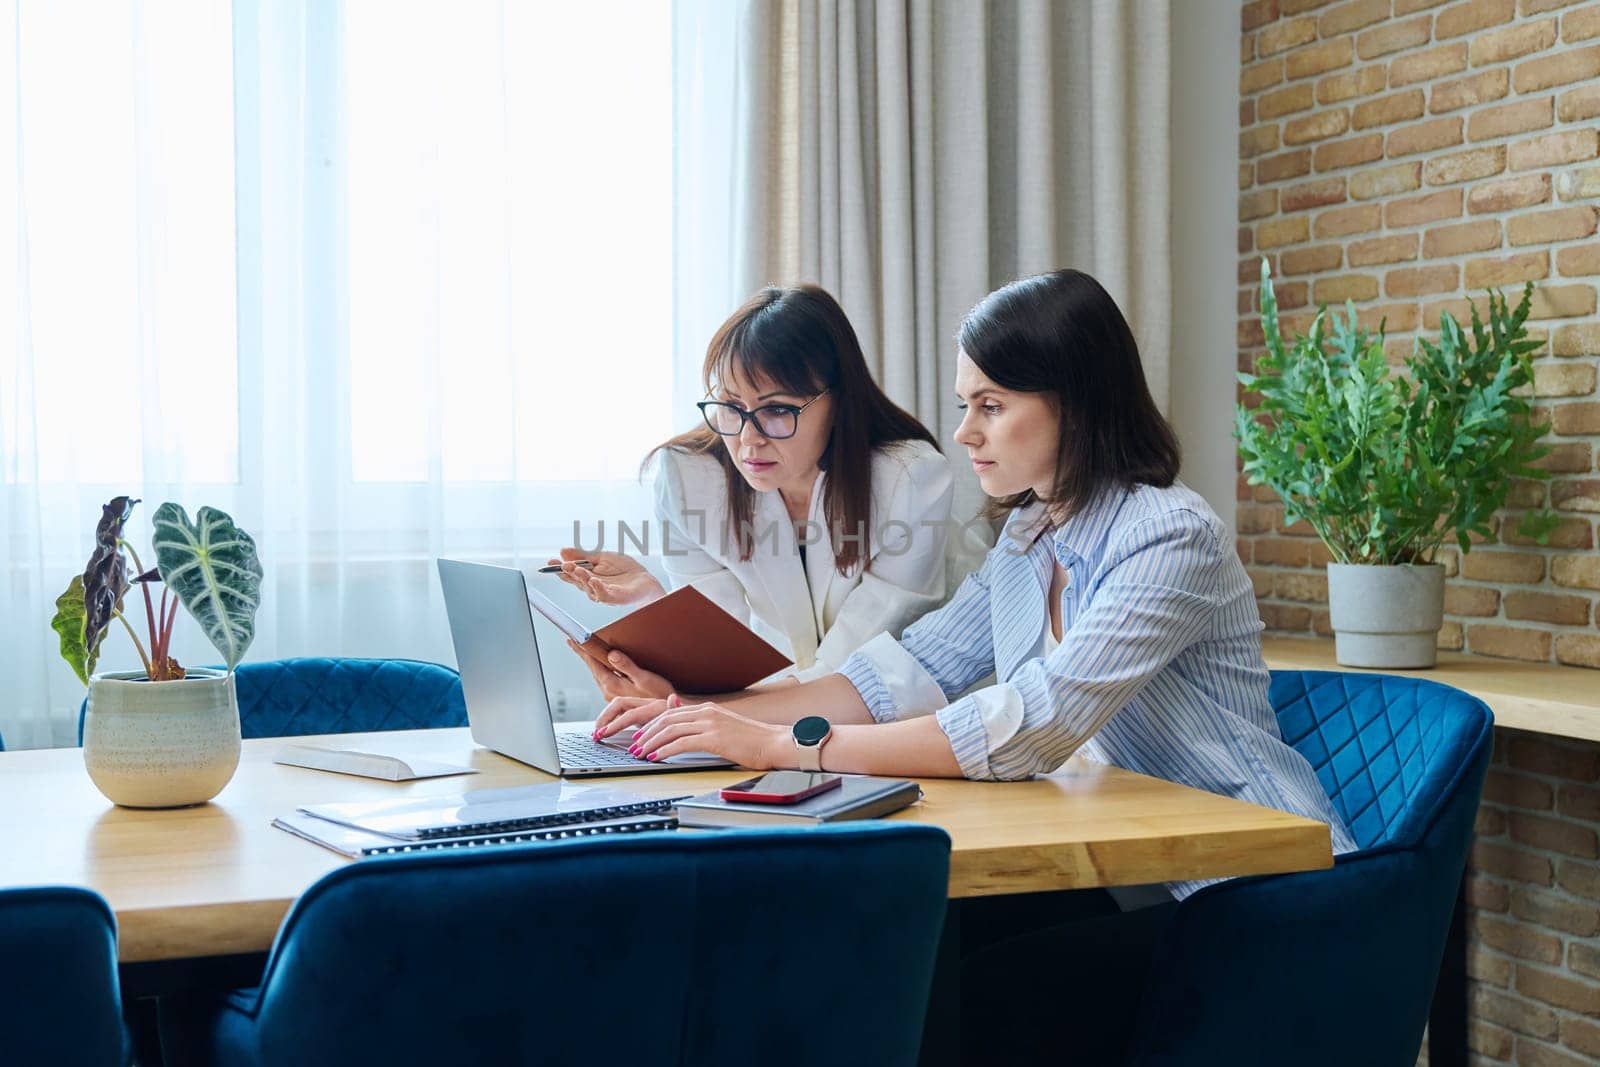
{"x":580,"y":751}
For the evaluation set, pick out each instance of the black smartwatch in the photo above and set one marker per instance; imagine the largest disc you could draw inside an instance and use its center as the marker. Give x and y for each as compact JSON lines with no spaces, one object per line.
{"x":810,"y":734}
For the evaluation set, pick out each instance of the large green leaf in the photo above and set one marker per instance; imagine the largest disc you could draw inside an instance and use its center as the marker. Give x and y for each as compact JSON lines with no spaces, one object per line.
{"x":68,"y":622}
{"x":211,"y":565}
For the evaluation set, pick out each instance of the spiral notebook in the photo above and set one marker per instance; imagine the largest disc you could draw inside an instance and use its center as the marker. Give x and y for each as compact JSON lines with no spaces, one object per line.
{"x":349,"y":841}
{"x":491,"y":811}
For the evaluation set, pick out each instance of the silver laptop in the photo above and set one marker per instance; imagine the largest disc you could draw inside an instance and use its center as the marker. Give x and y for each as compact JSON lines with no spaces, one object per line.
{"x":508,"y":705}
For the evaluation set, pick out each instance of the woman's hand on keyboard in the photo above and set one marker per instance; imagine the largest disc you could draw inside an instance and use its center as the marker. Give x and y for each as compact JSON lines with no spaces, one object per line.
{"x":630,"y":713}
{"x":715,"y":729}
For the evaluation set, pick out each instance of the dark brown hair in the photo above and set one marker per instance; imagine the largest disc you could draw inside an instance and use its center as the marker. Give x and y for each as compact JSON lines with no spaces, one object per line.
{"x":1062,"y":334}
{"x":799,"y":339}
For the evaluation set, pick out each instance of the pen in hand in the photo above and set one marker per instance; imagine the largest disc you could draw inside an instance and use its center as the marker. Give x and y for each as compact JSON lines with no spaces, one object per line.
{"x":555,"y":568}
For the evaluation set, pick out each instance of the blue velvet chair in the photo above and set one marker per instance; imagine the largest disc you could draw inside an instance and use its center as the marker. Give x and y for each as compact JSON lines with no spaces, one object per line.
{"x":1333,"y":967}
{"x":770,"y":947}
{"x":59,"y":999}
{"x":318,"y":695}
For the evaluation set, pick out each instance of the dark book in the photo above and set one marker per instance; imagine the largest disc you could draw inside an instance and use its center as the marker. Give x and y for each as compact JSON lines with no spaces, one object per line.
{"x":858,"y":797}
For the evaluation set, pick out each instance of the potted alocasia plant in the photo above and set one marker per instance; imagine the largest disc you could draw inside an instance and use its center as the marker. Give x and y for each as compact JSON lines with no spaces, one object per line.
{"x":164,"y":736}
{"x":1386,"y":467}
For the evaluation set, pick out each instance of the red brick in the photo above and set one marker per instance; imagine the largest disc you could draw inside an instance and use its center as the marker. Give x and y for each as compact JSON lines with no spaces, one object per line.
{"x":1473,"y":15}
{"x":1518,"y":117}
{"x":1258,"y":204}
{"x":1349,"y":152}
{"x":1286,"y":165}
{"x":1426,"y":66}
{"x":1316,"y":127}
{"x":1575,"y":494}
{"x":1548,"y":607}
{"x":1303,"y":587}
{"x":1530,"y":1054}
{"x":1458,"y":309}
{"x":1363,"y":218}
{"x":1513,"y":1014}
{"x":1256,"y":140}
{"x":1469,"y":91}
{"x":1283,"y":617}
{"x":1578,"y":802}
{"x":1392,"y":37}
{"x":1282,"y":36}
{"x":1570,"y":146}
{"x":1382,"y":250}
{"x":1507,"y":195}
{"x":1565,"y":379}
{"x":1464,"y":166}
{"x":1551,"y":911}
{"x":1488,"y":1041}
{"x":1525,"y":266}
{"x":1498,"y":46}
{"x":1286,"y":101}
{"x":1580,"y":879}
{"x":1516,"y":939}
{"x":1563,"y":68}
{"x":1329,"y":55}
{"x":1568,"y":533}
{"x":1282,"y":232}
{"x":1485,"y":894}
{"x":1562,"y":302}
{"x":1580,"y":25}
{"x":1313,"y":259}
{"x":1562,"y":224}
{"x":1352,"y":16}
{"x":1444,"y":204}
{"x":1573,"y":458}
{"x":1339,"y":87}
{"x":1259,"y":76}
{"x":1574,"y":994}
{"x":1396,"y":107}
{"x":1424,"y":137}
{"x":1313,"y":194}
{"x":1577,"y":340}
{"x":1502,"y":566}
{"x":1419,"y":281}
{"x":1491,"y":821}
{"x":1516,"y":864}
{"x":1576,"y":572}
{"x":1578,"y":650}
{"x":1341,"y":287}
{"x":1541,"y":755}
{"x":1443,"y":241}
{"x":1509,"y":642}
{"x":1578,"y":418}
{"x":1451,"y":637}
{"x":1579,"y":261}
{"x":1282,"y":551}
{"x":1584,"y":959}
{"x":1399,"y":317}
{"x":1519,"y":791}
{"x":1256,"y":14}
{"x":1385,"y":181}
{"x":1580,"y":1035}
{"x":1578,"y":104}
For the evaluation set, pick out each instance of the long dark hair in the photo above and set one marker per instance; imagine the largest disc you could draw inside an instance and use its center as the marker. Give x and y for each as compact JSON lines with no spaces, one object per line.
{"x":799,"y":339}
{"x":1062,"y":334}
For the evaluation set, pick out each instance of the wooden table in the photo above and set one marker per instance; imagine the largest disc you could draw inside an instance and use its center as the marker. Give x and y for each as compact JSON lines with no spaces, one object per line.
{"x":217,"y":879}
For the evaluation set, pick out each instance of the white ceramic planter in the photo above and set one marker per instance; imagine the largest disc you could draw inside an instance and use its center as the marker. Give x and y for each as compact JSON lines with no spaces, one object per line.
{"x":161,"y":744}
{"x":1386,"y":617}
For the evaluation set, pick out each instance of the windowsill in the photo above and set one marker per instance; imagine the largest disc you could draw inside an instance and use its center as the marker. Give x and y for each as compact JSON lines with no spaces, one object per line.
{"x":1538,"y":697}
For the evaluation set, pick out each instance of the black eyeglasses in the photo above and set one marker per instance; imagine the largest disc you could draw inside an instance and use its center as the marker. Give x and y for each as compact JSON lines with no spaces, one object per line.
{"x":774,"y":421}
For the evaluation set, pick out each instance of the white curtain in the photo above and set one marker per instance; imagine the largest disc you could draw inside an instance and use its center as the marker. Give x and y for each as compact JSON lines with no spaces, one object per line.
{"x":386,"y":281}
{"x":912,"y":155}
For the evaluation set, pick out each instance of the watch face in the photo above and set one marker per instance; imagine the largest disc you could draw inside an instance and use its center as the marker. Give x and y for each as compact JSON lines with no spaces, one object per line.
{"x":811,"y":730}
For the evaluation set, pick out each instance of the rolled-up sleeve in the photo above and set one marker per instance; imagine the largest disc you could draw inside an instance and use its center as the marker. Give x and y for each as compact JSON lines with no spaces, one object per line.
{"x":937,"y":657}
{"x":1156,"y":598}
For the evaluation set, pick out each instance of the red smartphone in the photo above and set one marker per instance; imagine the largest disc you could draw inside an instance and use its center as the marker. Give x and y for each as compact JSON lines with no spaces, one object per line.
{"x":782,"y":787}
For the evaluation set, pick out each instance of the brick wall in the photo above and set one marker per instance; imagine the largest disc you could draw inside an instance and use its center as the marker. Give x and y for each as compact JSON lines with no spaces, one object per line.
{"x":1406,"y":154}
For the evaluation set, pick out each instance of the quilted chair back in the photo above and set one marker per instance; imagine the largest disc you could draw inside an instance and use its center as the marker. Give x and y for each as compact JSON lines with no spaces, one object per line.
{"x":1335,"y":966}
{"x":321,"y":695}
{"x":771,"y":947}
{"x":59,"y":999}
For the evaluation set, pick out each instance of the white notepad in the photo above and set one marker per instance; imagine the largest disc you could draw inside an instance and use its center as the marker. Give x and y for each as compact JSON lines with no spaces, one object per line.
{"x":366,"y":764}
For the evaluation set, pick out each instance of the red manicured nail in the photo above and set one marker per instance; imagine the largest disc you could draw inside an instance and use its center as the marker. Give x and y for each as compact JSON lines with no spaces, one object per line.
{"x":653,"y":756}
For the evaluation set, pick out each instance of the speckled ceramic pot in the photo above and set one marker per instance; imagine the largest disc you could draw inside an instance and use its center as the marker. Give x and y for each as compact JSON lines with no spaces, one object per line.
{"x":161,"y":744}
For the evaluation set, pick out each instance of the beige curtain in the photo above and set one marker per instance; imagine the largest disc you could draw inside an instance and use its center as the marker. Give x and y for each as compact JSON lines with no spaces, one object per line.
{"x":912,"y":155}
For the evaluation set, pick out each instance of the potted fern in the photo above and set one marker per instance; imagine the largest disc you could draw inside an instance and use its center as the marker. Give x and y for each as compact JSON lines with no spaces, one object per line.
{"x":1387,"y":467}
{"x":164,"y":736}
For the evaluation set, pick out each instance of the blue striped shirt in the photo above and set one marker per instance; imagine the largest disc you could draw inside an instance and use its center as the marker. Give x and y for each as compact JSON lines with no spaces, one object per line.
{"x":1159,"y":669}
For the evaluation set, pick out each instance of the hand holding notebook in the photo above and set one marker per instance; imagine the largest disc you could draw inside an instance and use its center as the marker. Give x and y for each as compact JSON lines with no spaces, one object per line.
{"x":683,"y":636}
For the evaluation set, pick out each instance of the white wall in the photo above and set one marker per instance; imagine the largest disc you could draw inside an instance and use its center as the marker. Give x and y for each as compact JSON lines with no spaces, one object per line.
{"x":1205,"y":127}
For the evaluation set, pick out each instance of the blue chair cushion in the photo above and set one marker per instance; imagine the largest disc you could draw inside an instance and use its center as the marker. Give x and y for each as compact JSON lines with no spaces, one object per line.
{"x":777,"y":947}
{"x":60,"y":1003}
{"x":322,"y":695}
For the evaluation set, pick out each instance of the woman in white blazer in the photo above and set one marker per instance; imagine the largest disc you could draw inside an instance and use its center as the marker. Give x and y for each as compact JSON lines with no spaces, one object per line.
{"x":809,"y":506}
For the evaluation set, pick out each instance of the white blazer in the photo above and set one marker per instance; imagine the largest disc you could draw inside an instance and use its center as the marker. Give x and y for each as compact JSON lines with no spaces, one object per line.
{"x":820,"y":626}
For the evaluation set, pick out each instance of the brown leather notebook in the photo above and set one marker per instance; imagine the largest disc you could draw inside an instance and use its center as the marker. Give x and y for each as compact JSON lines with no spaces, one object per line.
{"x":689,"y":640}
